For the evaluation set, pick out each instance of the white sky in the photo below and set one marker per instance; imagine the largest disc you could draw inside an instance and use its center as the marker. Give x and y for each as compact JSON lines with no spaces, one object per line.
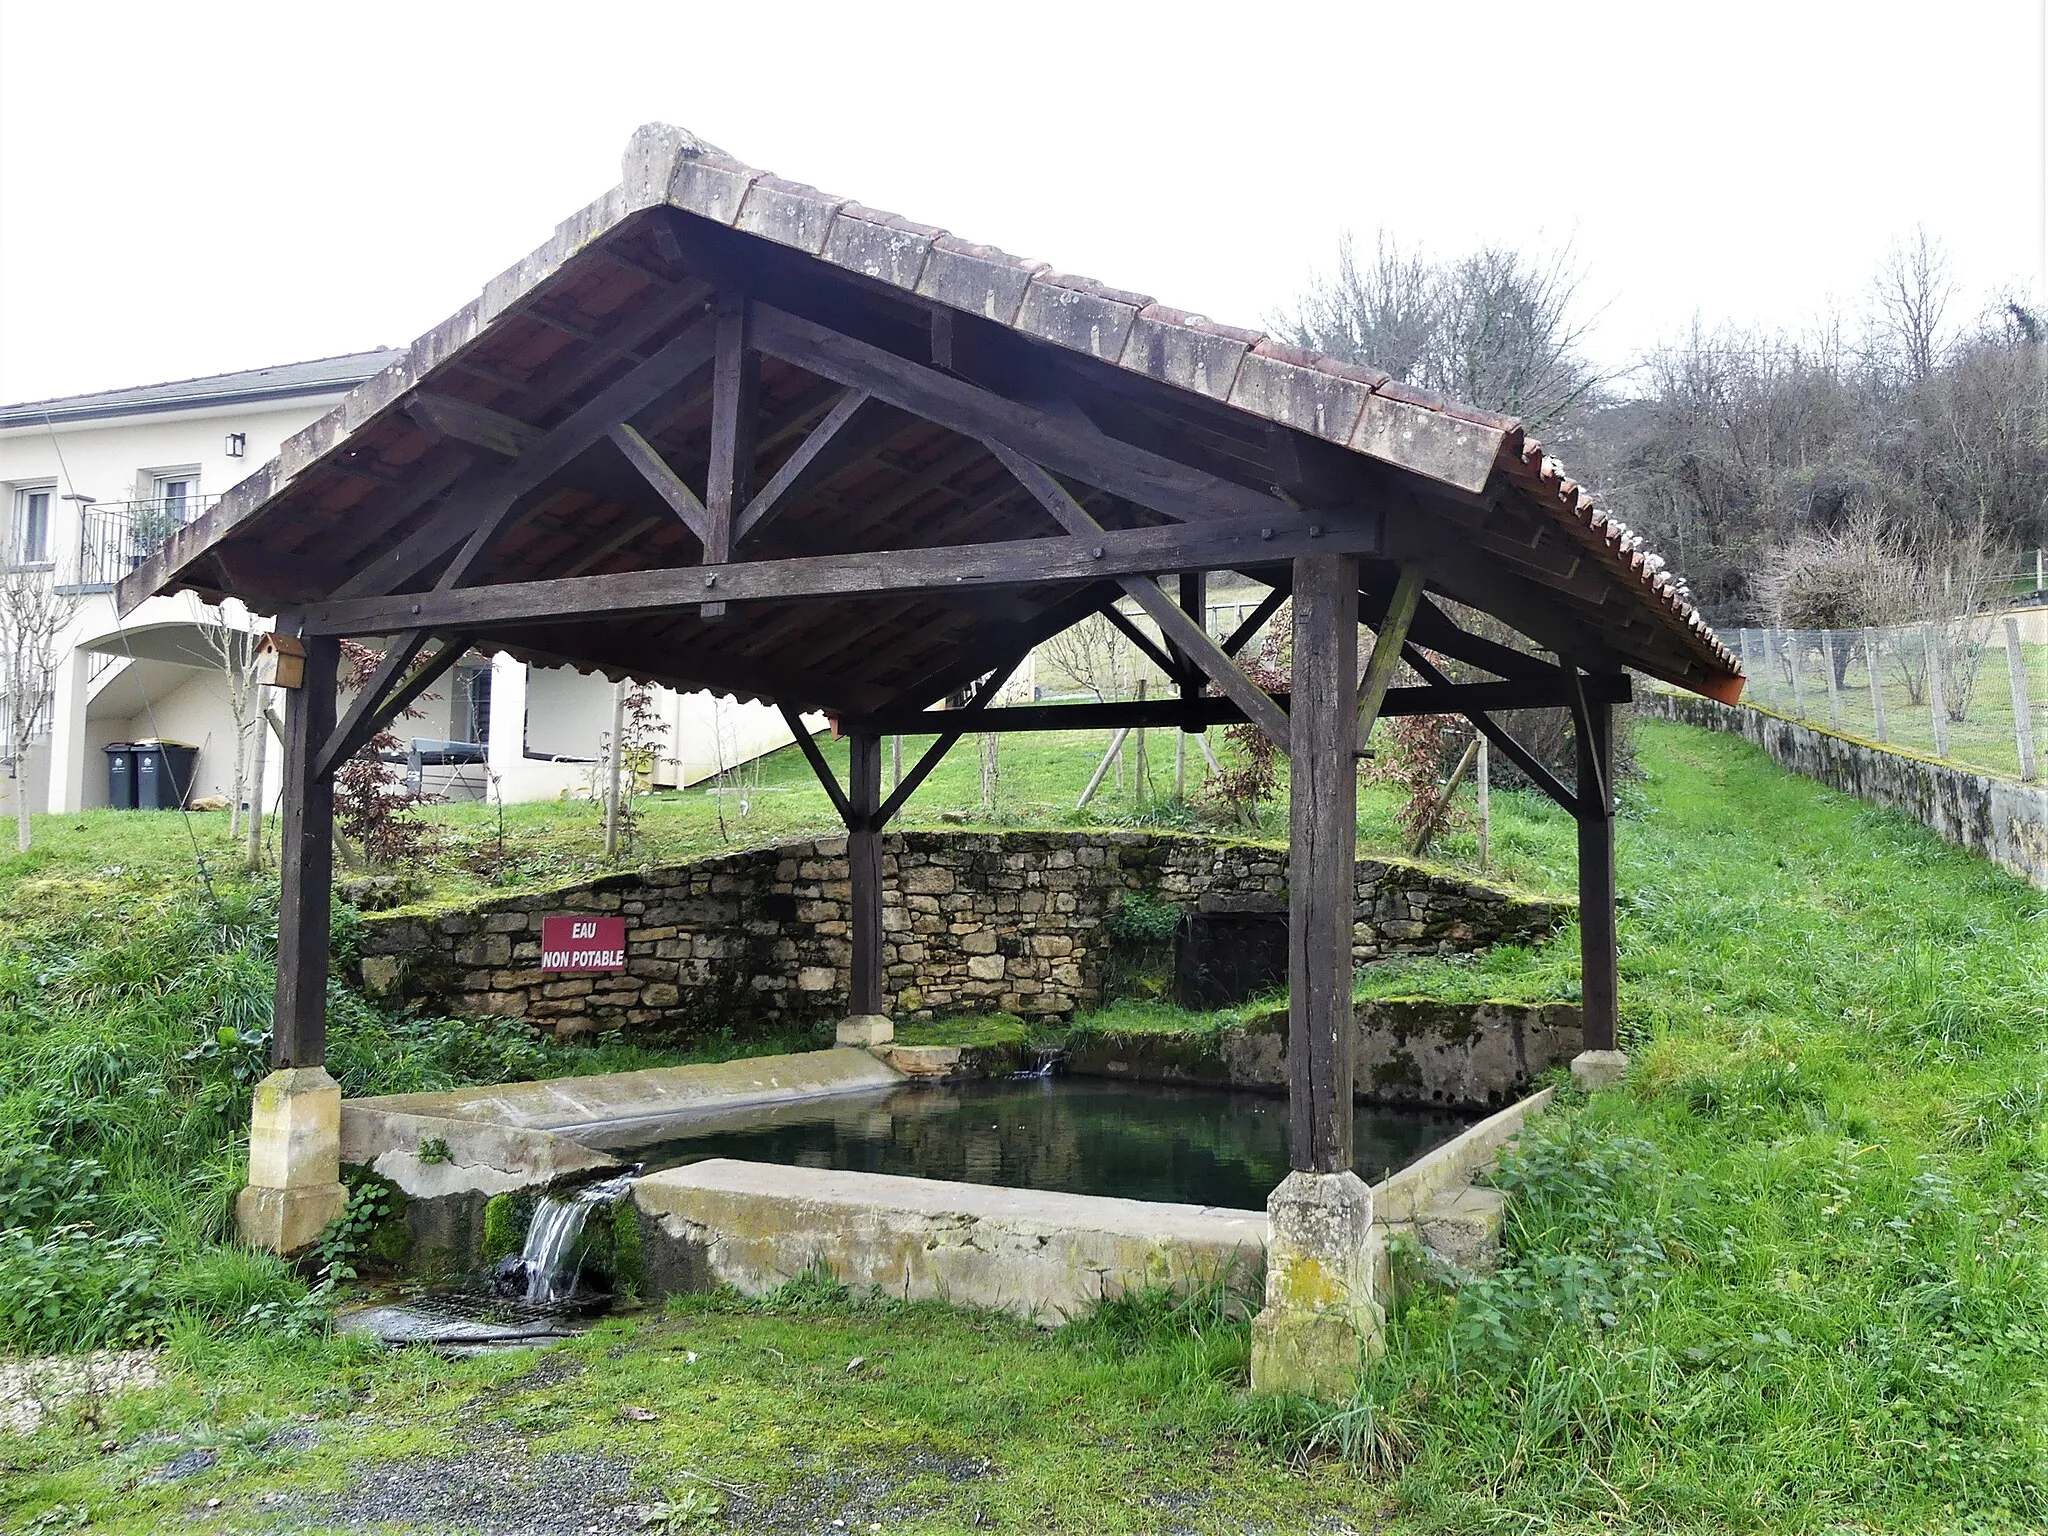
{"x":190,"y":188}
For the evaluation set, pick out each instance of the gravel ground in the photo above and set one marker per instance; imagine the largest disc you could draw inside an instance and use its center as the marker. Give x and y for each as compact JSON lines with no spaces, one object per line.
{"x":31,"y":1390}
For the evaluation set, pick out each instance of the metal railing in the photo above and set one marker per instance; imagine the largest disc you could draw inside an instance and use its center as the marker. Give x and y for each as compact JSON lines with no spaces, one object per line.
{"x":114,"y":537}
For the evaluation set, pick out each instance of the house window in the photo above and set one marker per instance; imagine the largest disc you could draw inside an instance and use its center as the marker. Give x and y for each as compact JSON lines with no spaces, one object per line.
{"x":176,"y":494}
{"x":29,"y":541}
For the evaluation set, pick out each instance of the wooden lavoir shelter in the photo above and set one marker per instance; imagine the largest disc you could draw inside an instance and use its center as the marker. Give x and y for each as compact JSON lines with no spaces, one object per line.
{"x":726,"y":431}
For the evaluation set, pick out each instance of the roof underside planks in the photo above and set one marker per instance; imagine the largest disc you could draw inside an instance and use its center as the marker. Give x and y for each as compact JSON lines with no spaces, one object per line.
{"x":881,"y":355}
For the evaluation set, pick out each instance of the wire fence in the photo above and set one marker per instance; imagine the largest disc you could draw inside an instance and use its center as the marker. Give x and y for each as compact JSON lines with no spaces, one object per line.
{"x":1968,"y":691}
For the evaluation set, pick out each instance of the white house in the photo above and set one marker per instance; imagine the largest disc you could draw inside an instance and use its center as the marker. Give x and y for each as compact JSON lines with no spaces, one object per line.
{"x":89,"y":484}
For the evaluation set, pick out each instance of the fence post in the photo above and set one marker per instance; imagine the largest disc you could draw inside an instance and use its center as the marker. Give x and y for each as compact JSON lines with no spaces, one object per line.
{"x":1935,"y":700}
{"x":2022,"y":720}
{"x":1760,"y":673}
{"x":1873,"y":651}
{"x":1788,"y":642}
{"x":1827,"y":659}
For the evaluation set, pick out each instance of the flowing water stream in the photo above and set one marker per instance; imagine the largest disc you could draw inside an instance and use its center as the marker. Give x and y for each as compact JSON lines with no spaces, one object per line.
{"x":550,"y":1260}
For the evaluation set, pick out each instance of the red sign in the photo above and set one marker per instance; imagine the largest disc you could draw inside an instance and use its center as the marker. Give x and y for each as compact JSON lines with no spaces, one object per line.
{"x":583,"y":943}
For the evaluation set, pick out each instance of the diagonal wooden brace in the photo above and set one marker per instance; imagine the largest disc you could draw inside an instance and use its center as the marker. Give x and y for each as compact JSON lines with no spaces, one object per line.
{"x":1178,"y":628}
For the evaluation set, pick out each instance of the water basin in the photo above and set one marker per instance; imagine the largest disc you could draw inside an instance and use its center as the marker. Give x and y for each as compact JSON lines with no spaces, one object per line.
{"x":1084,"y":1136}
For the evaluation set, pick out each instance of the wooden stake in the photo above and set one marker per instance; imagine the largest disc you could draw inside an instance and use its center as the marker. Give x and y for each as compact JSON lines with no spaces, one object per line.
{"x":1873,"y":650}
{"x":1113,"y":755}
{"x":2022,"y":719}
{"x":611,"y":797}
{"x":1485,"y":802}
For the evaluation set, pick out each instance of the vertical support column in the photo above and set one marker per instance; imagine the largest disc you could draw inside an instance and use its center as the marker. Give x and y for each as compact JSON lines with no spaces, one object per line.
{"x":867,"y":1021}
{"x":1599,"y":1063}
{"x":294,"y":1187}
{"x":65,"y":793}
{"x":1320,"y":1316}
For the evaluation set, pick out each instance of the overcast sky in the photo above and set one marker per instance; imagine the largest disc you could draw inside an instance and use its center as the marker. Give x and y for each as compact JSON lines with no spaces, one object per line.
{"x":190,"y":188}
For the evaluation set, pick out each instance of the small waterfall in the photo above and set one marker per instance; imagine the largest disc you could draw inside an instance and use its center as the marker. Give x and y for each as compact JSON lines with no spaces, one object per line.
{"x":1049,"y":1057}
{"x":550,"y":1261}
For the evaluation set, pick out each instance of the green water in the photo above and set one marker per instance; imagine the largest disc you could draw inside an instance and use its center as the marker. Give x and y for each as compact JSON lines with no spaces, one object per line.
{"x":1085,"y":1136}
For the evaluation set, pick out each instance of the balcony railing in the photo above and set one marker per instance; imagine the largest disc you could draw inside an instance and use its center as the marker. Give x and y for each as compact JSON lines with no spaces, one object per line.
{"x":114,"y":537}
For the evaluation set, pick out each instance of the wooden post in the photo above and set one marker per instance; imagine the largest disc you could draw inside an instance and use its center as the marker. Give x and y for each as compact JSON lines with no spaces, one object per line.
{"x":1599,"y":962}
{"x":864,"y":871}
{"x":259,"y":753}
{"x":613,"y":764}
{"x":1788,"y":647}
{"x":895,"y":761}
{"x":1322,"y":1047}
{"x":306,"y":865}
{"x":1937,"y":700}
{"x":1873,"y":653}
{"x":2022,"y":720}
{"x":1113,"y":755}
{"x":1827,"y":656}
{"x":1485,"y":802}
{"x":1142,"y":772}
{"x":1194,"y":601}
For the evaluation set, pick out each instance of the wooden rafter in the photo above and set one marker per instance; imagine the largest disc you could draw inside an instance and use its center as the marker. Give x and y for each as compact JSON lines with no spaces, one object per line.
{"x":1190,"y":637}
{"x":1010,"y":563}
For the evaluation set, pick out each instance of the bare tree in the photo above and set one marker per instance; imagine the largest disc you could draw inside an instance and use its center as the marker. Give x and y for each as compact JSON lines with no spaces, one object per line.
{"x":232,"y":645}
{"x":1094,"y":655}
{"x":1913,"y":291}
{"x":32,"y":615}
{"x":1496,"y":328}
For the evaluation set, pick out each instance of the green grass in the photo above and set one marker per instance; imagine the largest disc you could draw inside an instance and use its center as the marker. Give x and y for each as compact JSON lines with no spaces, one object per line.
{"x":1793,"y":1276}
{"x":101,"y":863}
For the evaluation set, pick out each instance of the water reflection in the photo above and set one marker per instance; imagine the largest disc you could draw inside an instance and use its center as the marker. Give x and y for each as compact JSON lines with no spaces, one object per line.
{"x":1202,"y":1146}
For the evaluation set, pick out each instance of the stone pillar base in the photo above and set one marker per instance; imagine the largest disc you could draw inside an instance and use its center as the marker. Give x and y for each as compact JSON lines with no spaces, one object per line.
{"x":295,"y":1186}
{"x":867,"y":1029}
{"x":1321,"y":1318}
{"x":288,"y":1221}
{"x":1594,"y":1070}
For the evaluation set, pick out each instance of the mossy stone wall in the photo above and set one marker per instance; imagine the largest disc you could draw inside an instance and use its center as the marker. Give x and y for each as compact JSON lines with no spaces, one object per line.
{"x":972,"y":922}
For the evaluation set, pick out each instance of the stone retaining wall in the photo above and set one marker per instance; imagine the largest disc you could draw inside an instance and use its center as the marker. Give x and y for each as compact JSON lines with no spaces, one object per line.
{"x":1998,"y":819}
{"x":972,"y":922}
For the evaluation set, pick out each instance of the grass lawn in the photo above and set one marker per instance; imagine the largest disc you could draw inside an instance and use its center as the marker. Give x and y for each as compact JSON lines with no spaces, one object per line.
{"x":103,"y":861}
{"x":1793,"y":1276}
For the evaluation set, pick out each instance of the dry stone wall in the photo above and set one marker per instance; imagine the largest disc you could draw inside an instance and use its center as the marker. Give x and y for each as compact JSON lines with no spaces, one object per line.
{"x":972,"y":922}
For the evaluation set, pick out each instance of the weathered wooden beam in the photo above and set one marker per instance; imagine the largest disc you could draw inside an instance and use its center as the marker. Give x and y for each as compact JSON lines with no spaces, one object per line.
{"x":864,"y":872}
{"x":1044,"y":436}
{"x":1599,"y":956}
{"x":1147,"y":646}
{"x":669,"y":485}
{"x":1478,"y":713}
{"x":479,"y":426}
{"x":387,"y":703}
{"x":1189,"y":637}
{"x":1388,"y":639}
{"x":728,"y":483}
{"x":998,"y":637}
{"x":396,"y":660}
{"x":950,"y":734}
{"x":306,"y":865}
{"x":825,"y":449}
{"x":476,"y":508}
{"x":1439,"y":698}
{"x":1256,"y":619}
{"x":1194,"y":602}
{"x":809,"y":747}
{"x":1435,"y":630}
{"x":1322,"y":1030}
{"x":955,"y":569}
